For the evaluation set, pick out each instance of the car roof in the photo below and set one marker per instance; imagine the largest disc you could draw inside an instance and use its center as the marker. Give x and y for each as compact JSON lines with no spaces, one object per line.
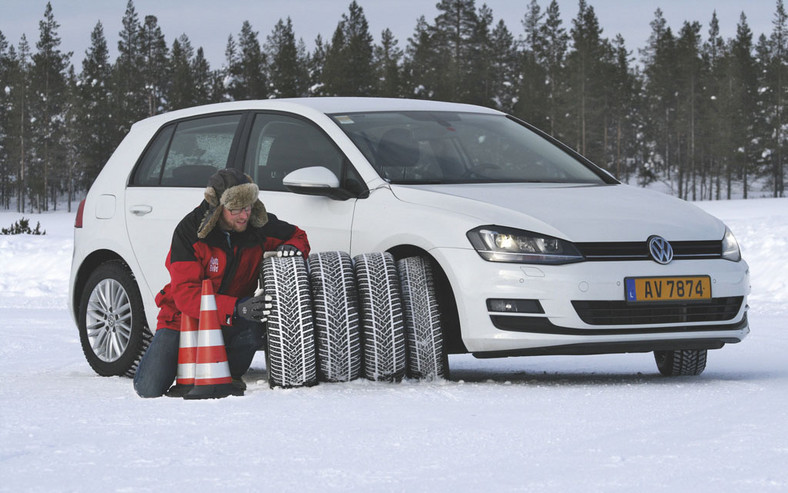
{"x":325,"y":105}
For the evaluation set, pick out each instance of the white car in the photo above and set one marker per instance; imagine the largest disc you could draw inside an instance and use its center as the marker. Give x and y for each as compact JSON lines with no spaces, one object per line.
{"x":534,"y":249}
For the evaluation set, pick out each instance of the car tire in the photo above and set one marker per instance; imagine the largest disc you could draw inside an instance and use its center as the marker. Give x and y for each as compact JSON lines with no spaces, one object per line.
{"x":290,"y":351}
{"x":427,"y":358}
{"x":382,"y":322}
{"x":682,"y":362}
{"x":112,"y":326}
{"x":335,"y":304}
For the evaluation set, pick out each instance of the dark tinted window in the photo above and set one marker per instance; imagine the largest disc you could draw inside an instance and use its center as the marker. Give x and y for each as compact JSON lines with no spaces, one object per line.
{"x":440,"y":147}
{"x":187,"y":153}
{"x":280,"y":144}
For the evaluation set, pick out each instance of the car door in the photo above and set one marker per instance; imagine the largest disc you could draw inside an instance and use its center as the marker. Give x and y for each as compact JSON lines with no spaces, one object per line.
{"x":278,"y":144}
{"x":169,"y":182}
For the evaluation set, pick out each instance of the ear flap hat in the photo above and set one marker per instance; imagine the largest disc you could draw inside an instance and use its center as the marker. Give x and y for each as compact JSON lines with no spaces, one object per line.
{"x":231,"y":189}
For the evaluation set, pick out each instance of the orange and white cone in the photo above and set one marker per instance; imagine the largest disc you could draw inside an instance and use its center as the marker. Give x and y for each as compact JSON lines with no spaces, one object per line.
{"x":187,"y":357}
{"x":212,"y":378}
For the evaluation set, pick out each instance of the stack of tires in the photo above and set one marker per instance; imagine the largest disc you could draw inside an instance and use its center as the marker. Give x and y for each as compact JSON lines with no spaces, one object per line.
{"x":335,"y":319}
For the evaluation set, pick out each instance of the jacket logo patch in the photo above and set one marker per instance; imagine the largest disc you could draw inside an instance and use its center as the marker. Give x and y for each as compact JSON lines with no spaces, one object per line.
{"x":213,"y":265}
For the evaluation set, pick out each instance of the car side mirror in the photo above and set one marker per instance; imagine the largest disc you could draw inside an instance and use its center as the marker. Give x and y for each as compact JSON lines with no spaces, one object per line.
{"x":315,"y":180}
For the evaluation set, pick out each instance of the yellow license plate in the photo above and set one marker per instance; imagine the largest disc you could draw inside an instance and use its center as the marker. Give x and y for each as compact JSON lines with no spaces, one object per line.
{"x":668,"y":288}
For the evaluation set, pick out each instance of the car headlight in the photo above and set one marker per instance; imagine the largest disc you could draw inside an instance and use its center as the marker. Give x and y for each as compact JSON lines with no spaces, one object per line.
{"x":498,"y":244}
{"x":730,"y":247}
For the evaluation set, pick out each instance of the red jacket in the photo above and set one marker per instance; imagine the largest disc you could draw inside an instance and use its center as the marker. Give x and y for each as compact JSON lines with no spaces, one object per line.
{"x":233,"y":270}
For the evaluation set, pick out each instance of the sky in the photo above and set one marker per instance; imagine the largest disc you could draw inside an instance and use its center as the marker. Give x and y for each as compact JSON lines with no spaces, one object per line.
{"x":209,"y":26}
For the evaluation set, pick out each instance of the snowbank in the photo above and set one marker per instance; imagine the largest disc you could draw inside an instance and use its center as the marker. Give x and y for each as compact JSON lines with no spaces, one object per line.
{"x":591,"y":423}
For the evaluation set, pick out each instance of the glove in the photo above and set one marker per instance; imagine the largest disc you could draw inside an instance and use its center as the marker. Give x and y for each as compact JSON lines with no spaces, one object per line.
{"x":287,"y":251}
{"x":254,"y":309}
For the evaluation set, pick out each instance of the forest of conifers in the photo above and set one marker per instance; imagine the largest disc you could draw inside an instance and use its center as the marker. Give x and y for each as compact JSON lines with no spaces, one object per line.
{"x":697,"y":112}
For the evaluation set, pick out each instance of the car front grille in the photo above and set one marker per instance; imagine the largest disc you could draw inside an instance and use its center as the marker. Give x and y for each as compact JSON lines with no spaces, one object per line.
{"x":623,"y":313}
{"x":638,"y":250}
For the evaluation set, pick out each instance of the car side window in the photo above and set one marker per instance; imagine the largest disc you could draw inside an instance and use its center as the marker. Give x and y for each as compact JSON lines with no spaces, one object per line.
{"x":187,"y":153}
{"x":279,"y":144}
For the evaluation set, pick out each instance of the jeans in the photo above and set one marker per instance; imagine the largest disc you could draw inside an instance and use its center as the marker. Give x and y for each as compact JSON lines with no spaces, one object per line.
{"x":159,"y":365}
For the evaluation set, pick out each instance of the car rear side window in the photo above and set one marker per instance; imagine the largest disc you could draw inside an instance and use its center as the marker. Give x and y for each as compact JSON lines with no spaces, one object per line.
{"x":280,"y":144}
{"x":187,"y":153}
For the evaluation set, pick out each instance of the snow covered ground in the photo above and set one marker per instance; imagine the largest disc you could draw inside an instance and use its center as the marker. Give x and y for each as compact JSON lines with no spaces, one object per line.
{"x":574,"y":423}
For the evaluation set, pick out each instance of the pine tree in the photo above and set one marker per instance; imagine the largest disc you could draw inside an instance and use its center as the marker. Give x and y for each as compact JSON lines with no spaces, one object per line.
{"x":533,"y":94}
{"x":96,"y":137}
{"x":503,"y":68}
{"x":715,"y":126}
{"x":316,"y":65}
{"x":421,"y":62}
{"x":19,"y":128}
{"x":585,"y":69}
{"x":336,"y":66}
{"x":776,"y":74}
{"x":247,"y":66}
{"x":288,"y":75}
{"x":6,"y":170}
{"x":48,"y":81}
{"x":73,"y":166}
{"x":478,"y":78}
{"x":129,"y":94}
{"x":349,"y":68}
{"x":660,"y":91}
{"x":688,"y":76}
{"x":182,"y":88}
{"x":388,"y":57}
{"x":551,"y":48}
{"x":743,"y":89}
{"x":155,"y":64}
{"x":624,"y":104}
{"x":453,"y":37}
{"x":207,"y":83}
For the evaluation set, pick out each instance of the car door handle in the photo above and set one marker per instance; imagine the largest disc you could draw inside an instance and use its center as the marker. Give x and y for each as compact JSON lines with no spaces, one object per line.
{"x":140,"y":210}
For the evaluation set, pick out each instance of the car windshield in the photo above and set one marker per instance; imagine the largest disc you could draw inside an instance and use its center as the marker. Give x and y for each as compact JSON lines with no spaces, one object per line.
{"x":427,"y":147}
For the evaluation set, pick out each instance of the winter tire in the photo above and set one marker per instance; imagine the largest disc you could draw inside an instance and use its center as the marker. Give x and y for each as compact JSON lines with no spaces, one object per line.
{"x":335,"y":305}
{"x":426,"y":356}
{"x":682,"y":362}
{"x":290,"y":353}
{"x":112,"y":326}
{"x":381,"y":317}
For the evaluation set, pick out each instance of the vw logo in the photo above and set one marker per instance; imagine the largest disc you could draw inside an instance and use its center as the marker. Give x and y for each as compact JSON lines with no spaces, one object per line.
{"x":660,"y":249}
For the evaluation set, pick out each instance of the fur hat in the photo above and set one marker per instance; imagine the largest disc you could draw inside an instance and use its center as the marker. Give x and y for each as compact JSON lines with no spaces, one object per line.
{"x":231,"y":189}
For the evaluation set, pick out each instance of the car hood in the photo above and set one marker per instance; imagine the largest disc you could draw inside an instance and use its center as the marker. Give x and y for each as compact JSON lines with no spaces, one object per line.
{"x":580,"y":213}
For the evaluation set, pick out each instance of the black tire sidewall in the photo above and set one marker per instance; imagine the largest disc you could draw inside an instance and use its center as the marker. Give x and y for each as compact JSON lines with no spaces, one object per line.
{"x":284,"y":301}
{"x":140,"y":336}
{"x":336,"y":362}
{"x":420,"y":307}
{"x":383,"y":336}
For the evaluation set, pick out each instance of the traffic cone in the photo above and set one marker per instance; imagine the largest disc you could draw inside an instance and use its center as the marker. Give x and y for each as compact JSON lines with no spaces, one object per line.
{"x":212,"y":378}
{"x":187,"y":357}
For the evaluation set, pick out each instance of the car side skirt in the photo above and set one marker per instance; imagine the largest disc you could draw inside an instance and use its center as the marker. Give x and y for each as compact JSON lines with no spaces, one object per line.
{"x":614,"y":347}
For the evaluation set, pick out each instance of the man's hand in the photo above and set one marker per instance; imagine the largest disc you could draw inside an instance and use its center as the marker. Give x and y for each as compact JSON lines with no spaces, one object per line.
{"x":287,"y":251}
{"x":254,"y":309}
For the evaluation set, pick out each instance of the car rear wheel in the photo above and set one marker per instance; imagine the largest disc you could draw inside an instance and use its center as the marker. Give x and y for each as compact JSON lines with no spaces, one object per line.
{"x":682,"y":362}
{"x":335,"y":304}
{"x":426,"y":355}
{"x":112,"y":328}
{"x":381,"y":317}
{"x":290,"y":353}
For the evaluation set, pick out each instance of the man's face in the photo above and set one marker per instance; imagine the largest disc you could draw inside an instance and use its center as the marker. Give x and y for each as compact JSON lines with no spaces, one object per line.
{"x":235,"y":220}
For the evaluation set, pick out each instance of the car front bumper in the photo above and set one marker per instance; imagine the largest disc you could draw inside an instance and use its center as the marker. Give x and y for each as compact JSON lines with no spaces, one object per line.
{"x":552,"y":303}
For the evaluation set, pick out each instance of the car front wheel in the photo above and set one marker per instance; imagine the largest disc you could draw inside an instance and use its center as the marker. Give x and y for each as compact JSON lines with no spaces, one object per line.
{"x":112,"y":326}
{"x":682,"y":362}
